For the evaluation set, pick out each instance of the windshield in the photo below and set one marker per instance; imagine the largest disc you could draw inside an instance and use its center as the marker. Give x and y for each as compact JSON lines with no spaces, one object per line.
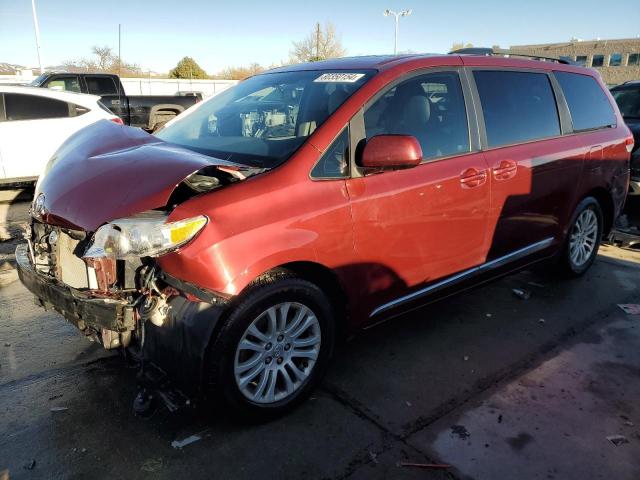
{"x":38,"y":81}
{"x":628,"y":100}
{"x":262,"y":121}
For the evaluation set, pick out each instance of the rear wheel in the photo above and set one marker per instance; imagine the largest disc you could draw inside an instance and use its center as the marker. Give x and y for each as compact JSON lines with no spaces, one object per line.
{"x":584,"y":237}
{"x":273,"y":348}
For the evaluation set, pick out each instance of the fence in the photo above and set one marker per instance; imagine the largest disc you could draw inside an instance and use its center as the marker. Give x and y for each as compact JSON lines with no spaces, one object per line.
{"x":150,"y":86}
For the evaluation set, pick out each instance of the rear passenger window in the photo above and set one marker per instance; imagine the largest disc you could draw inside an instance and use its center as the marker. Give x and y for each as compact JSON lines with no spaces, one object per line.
{"x":32,"y":107}
{"x":588,"y":104}
{"x":517,"y":106}
{"x":101,"y":86}
{"x":430,"y":107}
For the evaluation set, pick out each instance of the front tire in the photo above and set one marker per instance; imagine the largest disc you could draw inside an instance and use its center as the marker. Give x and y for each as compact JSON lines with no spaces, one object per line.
{"x":273,"y":348}
{"x":583,"y":240}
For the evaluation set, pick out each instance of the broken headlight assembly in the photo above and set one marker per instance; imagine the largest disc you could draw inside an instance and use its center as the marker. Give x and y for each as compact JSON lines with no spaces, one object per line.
{"x":147,"y":235}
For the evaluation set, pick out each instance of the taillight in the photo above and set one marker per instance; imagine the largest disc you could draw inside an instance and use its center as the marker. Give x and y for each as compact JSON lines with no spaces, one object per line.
{"x":629,"y":143}
{"x":117,"y":120}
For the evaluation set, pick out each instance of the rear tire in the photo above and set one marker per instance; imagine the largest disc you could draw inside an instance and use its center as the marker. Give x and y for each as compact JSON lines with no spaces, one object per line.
{"x":583,"y":239}
{"x":273,"y":348}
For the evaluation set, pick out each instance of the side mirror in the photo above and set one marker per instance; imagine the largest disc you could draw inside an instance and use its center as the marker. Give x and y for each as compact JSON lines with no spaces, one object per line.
{"x":391,"y":152}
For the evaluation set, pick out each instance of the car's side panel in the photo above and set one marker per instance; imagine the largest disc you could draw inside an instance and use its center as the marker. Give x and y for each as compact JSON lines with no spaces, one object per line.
{"x":263,"y":223}
{"x":419,"y":225}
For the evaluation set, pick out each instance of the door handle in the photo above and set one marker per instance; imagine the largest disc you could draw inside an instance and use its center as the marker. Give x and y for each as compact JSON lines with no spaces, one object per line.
{"x":472,"y":177}
{"x":506,"y":170}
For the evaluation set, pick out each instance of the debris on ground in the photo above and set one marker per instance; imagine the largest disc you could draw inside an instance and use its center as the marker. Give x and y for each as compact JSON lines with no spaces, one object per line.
{"x":7,"y":344}
{"x":521,"y":293}
{"x":500,"y":418}
{"x":460,"y":431}
{"x":152,"y":465}
{"x":409,"y":404}
{"x":466,"y":358}
{"x":30,"y":466}
{"x":424,"y":465}
{"x":59,"y":409}
{"x":488,"y":315}
{"x":630,"y":308}
{"x":373,"y":456}
{"x":617,"y":440}
{"x":186,"y":441}
{"x":542,"y":320}
{"x":536,"y":284}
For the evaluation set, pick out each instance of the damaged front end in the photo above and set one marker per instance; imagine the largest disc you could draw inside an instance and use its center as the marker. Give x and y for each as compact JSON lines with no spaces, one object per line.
{"x":94,"y":259}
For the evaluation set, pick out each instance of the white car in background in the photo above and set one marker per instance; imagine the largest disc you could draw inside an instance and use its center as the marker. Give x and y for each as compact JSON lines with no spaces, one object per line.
{"x":34,"y":122}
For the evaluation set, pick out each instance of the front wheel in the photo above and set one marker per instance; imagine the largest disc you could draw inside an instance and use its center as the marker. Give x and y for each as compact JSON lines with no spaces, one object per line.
{"x":584,"y":237}
{"x":273,"y":348}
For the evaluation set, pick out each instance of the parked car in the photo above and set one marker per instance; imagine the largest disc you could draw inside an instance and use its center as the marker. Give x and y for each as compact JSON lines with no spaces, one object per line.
{"x":237,"y":246}
{"x":34,"y":123}
{"x":627,"y":96}
{"x":150,"y":112}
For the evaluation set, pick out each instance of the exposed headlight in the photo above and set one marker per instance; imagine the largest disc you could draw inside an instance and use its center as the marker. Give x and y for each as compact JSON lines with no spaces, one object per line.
{"x":143,"y":236}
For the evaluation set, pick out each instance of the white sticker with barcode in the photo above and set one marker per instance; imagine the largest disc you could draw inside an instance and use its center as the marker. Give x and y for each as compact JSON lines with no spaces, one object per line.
{"x":341,"y":77}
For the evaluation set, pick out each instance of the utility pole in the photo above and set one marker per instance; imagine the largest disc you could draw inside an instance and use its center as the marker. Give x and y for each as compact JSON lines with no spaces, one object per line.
{"x":37,"y":29}
{"x":318,"y":41}
{"x":119,"y":50}
{"x":397,"y":15}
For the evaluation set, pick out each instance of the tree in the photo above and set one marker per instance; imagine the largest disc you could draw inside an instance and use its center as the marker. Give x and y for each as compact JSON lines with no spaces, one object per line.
{"x":103,"y":60}
{"x":459,"y":45}
{"x":239,"y":73}
{"x":187,"y":68}
{"x":320,"y":44}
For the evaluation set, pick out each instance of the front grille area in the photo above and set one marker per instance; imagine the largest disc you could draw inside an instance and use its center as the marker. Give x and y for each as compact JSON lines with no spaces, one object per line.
{"x":56,"y":253}
{"x":70,"y":269}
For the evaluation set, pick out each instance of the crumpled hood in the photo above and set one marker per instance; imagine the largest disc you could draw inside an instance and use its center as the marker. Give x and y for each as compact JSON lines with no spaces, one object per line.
{"x":108,"y":171}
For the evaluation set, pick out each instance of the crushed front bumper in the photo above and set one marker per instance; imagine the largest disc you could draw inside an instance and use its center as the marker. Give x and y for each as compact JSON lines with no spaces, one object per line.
{"x":89,"y":314}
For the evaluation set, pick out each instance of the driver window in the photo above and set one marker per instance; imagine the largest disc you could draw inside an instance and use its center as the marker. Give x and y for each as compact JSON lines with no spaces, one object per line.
{"x":70,"y":84}
{"x":430,"y":107}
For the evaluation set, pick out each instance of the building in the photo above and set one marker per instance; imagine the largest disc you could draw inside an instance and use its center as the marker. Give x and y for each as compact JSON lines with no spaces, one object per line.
{"x":617,"y":60}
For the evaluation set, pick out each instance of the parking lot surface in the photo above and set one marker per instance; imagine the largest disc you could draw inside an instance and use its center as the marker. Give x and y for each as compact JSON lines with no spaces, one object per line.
{"x":492,"y":385}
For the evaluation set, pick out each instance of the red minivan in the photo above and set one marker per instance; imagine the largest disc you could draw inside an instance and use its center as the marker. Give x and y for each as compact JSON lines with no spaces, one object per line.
{"x":231,"y":251}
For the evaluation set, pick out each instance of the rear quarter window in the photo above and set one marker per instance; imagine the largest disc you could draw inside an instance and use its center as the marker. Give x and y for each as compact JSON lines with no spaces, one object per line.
{"x":588,"y":104}
{"x":33,"y":107}
{"x":101,"y":86}
{"x":517,"y":106}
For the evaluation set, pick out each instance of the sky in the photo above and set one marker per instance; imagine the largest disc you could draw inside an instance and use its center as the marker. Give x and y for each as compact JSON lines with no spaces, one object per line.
{"x":219,"y":34}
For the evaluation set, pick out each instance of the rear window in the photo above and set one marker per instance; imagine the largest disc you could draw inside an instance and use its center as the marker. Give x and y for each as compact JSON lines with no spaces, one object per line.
{"x":588,"y":104}
{"x":517,"y":106}
{"x":101,"y":85}
{"x":32,"y":107}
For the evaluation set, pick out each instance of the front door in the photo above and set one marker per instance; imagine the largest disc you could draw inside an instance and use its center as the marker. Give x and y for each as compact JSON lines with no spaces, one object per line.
{"x":415,"y":226}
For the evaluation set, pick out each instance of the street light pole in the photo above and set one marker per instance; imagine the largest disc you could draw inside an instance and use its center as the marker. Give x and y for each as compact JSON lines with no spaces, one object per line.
{"x":37,"y":29}
{"x":397,"y":15}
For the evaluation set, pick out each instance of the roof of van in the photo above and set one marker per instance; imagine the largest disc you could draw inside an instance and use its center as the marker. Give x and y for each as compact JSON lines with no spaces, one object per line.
{"x":384,"y":62}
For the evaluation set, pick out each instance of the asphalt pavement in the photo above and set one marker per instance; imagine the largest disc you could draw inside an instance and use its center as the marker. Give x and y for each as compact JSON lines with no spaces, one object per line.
{"x":484,"y":385}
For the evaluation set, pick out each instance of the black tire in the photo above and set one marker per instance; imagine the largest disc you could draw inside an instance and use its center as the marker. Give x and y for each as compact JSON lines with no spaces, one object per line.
{"x":267,"y":291}
{"x":567,"y":265}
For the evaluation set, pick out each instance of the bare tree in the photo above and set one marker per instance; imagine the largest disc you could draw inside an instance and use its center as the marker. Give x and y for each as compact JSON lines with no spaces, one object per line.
{"x":459,"y":45}
{"x":105,"y":57}
{"x":320,"y":44}
{"x":103,"y":60}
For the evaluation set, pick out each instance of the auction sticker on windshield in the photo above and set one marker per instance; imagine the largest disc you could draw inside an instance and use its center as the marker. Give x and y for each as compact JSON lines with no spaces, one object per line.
{"x":341,"y":77}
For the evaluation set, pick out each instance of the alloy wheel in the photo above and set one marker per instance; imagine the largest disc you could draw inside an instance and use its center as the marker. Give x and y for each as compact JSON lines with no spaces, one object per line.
{"x":583,"y":238}
{"x":277,"y":352}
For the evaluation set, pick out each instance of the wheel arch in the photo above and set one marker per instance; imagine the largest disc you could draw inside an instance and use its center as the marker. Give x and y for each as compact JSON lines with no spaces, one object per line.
{"x":604,"y":198}
{"x":327,"y":281}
